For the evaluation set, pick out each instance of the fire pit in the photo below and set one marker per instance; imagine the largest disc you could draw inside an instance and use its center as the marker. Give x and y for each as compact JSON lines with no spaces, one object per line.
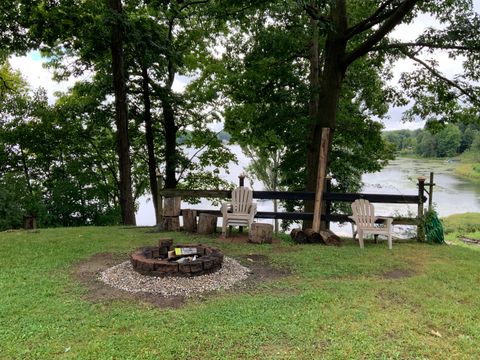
{"x":167,"y":259}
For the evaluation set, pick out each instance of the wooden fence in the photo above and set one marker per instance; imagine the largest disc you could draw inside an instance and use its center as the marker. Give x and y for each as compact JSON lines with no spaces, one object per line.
{"x":328,"y":197}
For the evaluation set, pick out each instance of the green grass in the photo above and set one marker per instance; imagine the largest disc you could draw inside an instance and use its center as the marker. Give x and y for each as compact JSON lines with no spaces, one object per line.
{"x":467,"y":224}
{"x":336,"y":304}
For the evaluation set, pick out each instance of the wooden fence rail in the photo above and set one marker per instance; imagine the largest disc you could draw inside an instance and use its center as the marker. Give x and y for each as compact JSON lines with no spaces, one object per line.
{"x":302,"y":195}
{"x":296,"y":195}
{"x":309,"y":216}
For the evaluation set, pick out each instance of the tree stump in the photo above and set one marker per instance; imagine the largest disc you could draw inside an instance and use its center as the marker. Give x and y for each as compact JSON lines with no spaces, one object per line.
{"x":260,"y":233}
{"x":171,"y":223}
{"x":171,"y":214}
{"x":298,"y":236}
{"x":330,"y":238}
{"x":207,"y":224}
{"x":29,"y":222}
{"x":189,"y":220}
{"x":171,"y":206}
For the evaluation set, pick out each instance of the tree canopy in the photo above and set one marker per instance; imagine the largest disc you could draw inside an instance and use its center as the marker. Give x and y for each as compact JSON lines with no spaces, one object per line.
{"x":275,"y":72}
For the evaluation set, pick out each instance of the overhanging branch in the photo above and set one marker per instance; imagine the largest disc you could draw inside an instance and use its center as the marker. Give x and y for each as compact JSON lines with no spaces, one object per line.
{"x":443,"y":78}
{"x":400,"y":12}
{"x":424,"y":44}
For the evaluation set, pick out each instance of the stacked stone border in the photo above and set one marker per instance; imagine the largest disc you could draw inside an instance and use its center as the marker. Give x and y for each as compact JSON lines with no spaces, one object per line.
{"x":153,"y":260}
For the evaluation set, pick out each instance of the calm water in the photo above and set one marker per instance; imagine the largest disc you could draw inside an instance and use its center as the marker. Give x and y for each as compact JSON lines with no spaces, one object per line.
{"x":451,"y":194}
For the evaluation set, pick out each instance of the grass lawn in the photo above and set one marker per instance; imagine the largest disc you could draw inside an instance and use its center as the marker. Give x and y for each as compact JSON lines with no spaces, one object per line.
{"x":418,"y":301}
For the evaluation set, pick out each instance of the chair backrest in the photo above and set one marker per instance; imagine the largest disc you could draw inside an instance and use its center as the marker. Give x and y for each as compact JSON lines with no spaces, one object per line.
{"x":363,"y":213}
{"x":241,"y":199}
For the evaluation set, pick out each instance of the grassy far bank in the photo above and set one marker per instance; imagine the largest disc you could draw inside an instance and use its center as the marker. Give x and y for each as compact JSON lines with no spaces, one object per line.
{"x":469,"y":167}
{"x":417,"y":301}
{"x":466,"y":165}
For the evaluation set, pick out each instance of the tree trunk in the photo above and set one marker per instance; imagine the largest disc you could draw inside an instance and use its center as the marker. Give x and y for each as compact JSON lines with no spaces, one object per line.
{"x":121,"y":116}
{"x":169,"y":116}
{"x":330,"y":86}
{"x":312,"y":137}
{"x":170,"y":142}
{"x":152,"y":162}
{"x":275,"y":209}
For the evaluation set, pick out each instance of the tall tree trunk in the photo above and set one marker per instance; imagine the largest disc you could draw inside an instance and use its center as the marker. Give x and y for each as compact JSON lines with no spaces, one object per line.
{"x":169,"y":117}
{"x":121,"y":116}
{"x":170,"y":142}
{"x":329,"y":93}
{"x":152,"y":162}
{"x":314,"y":134}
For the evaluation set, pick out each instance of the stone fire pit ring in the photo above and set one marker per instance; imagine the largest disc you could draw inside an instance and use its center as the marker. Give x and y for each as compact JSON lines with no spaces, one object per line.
{"x":167,"y":259}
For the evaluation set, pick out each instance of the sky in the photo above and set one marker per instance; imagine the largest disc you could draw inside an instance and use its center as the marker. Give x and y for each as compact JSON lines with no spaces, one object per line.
{"x":31,"y":66}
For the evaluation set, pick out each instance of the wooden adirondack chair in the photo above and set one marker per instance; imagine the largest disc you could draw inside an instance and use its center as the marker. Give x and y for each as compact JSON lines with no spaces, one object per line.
{"x":364,"y":218}
{"x":240,"y":211}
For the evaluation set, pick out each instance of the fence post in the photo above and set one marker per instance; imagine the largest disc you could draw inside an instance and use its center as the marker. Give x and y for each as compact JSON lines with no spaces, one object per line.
{"x":328,"y":203}
{"x":241,"y":182}
{"x":159,"y":214}
{"x":430,"y":192}
{"x":241,"y":179}
{"x":420,"y":217}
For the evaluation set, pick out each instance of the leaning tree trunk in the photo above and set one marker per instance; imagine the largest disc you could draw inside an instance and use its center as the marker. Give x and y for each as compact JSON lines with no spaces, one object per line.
{"x":127,"y":205}
{"x":152,"y":162}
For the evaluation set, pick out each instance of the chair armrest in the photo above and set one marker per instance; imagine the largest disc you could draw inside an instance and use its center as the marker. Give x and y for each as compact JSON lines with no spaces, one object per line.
{"x":386,"y":219}
{"x":353,"y":218}
{"x":253,"y":208}
{"x":225,"y":208}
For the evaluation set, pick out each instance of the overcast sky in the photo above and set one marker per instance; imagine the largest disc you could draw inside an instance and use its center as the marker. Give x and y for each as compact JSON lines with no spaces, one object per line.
{"x":31,"y":68}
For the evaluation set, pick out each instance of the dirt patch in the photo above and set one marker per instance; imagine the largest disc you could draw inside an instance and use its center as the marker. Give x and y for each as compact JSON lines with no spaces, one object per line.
{"x":396,"y":274}
{"x":88,"y":270}
{"x":261,"y":270}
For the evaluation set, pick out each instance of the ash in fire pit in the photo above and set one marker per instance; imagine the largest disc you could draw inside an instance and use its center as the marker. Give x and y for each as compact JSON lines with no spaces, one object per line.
{"x":177,"y":260}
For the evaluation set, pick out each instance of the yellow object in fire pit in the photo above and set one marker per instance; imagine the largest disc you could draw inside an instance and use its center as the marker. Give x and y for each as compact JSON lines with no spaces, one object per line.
{"x":185,"y":251}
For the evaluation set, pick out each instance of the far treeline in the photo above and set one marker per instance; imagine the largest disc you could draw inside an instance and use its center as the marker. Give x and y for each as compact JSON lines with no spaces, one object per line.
{"x":155,"y":78}
{"x":440,"y":141}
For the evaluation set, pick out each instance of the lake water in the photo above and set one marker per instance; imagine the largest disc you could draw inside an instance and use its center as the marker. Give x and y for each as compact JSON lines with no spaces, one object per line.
{"x":451,"y":194}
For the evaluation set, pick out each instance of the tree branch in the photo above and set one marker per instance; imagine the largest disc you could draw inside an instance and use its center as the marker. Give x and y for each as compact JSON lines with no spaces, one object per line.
{"x":180,"y":175}
{"x":198,"y":2}
{"x":400,"y":46}
{"x":438,"y":75}
{"x":374,"y":19}
{"x":377,"y":36}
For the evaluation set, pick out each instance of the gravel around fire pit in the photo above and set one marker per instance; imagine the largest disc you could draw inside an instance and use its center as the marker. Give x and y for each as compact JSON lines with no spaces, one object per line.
{"x":122,"y":276}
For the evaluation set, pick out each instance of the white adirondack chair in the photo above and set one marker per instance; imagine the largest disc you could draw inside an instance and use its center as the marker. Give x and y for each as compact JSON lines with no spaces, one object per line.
{"x":364,"y":218}
{"x":241,"y":211}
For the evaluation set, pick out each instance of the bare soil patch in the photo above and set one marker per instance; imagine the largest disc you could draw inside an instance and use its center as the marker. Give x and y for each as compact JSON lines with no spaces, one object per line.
{"x":396,"y":274}
{"x":88,"y":270}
